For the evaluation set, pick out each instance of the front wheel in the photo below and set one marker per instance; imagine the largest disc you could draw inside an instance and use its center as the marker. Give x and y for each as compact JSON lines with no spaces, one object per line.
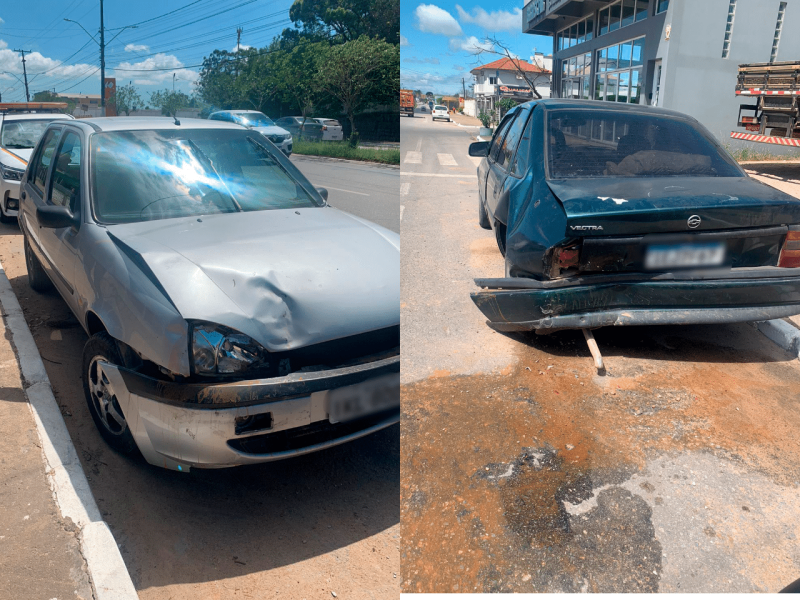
{"x":100,"y":394}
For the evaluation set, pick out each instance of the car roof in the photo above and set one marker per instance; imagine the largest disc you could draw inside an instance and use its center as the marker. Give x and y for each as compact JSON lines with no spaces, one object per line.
{"x":238,"y":112}
{"x":145,"y":123}
{"x":557,"y":103}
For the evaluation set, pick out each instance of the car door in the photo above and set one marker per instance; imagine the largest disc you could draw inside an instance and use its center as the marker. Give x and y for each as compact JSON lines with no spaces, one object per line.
{"x":33,"y":196}
{"x":483,"y":167}
{"x":494,"y":174}
{"x":504,"y":169}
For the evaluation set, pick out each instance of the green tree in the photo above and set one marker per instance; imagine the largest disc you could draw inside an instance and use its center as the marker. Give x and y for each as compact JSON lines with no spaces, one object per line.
{"x":217,"y":82}
{"x":169,"y":102}
{"x":294,"y":76}
{"x":349,"y":19}
{"x":127,"y":100}
{"x":360,"y":73}
{"x":48,"y":96}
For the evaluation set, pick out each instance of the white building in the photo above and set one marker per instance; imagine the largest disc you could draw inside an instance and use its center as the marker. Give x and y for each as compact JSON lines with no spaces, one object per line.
{"x":502,"y":79}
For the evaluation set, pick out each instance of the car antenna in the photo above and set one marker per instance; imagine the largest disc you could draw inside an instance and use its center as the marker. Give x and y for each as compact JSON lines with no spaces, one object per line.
{"x":176,"y":120}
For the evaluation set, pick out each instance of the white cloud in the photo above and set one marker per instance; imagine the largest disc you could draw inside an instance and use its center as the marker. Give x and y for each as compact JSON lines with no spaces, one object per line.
{"x":142,"y":75}
{"x":498,"y":20}
{"x":432,"y":19}
{"x":36,"y":63}
{"x":404,"y":40}
{"x":241,"y":47}
{"x":471,"y":44}
{"x":137,"y":48}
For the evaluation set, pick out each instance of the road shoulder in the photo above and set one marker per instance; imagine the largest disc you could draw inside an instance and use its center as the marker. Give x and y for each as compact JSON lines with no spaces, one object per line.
{"x":74,"y":545}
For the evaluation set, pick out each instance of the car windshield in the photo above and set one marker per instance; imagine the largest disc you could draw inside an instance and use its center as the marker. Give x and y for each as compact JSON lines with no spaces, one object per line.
{"x":598,"y":143}
{"x":439,"y":108}
{"x":22,"y":134}
{"x":149,"y":175}
{"x":254,"y":119}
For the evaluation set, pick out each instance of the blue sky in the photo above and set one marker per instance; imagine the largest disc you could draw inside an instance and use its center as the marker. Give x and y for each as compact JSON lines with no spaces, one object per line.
{"x":441,"y":42}
{"x":65,"y":58}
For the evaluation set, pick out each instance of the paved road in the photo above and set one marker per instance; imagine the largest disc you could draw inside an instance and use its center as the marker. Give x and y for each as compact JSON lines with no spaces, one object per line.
{"x":300,"y":528}
{"x":365,"y":189}
{"x":522,"y":470}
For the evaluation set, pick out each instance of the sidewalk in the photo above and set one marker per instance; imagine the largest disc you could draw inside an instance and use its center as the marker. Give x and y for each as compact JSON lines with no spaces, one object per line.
{"x":465,"y":120}
{"x":40,"y":553}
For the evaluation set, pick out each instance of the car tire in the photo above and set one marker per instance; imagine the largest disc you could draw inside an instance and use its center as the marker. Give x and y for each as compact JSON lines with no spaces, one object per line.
{"x":483,"y":217}
{"x":103,"y":404}
{"x":500,"y":235}
{"x":37,"y":277}
{"x":4,"y":218}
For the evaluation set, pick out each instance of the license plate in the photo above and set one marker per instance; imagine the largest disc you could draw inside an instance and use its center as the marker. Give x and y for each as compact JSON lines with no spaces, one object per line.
{"x":685,"y":255}
{"x":363,"y":399}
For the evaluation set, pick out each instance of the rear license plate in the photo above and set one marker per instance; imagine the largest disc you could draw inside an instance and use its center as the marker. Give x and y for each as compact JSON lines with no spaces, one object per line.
{"x":363,"y":399}
{"x":685,"y":256}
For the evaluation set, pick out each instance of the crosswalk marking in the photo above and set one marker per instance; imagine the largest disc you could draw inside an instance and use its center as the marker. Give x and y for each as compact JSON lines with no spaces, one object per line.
{"x":404,"y":188}
{"x":414,"y":158}
{"x":447,"y":160}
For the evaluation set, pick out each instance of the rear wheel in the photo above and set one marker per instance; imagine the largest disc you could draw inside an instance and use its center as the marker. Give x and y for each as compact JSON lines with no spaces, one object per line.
{"x":500,"y":234}
{"x":100,"y":394}
{"x":37,"y":278}
{"x":483,"y":217}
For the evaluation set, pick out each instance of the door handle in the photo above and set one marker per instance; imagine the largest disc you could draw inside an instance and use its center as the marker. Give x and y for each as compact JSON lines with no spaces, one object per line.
{"x":23,"y":195}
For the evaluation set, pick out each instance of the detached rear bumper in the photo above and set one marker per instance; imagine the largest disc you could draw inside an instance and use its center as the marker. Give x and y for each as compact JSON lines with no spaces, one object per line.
{"x":517,"y":304}
{"x":179,"y":426}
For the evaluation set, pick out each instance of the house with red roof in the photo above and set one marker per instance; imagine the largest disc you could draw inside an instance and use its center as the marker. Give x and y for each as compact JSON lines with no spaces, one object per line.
{"x":506,"y":78}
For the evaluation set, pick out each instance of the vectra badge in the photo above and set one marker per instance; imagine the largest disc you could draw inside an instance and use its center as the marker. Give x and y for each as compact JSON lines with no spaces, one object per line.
{"x":693,"y":222}
{"x":586,"y":227}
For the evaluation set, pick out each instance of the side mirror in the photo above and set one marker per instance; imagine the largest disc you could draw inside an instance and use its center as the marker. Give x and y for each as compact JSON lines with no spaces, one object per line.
{"x":323,"y":192}
{"x":479,"y":149}
{"x":55,"y":217}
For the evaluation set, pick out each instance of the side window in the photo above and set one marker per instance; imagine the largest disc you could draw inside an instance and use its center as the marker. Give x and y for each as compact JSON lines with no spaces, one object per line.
{"x":215,"y":117}
{"x":66,"y":190}
{"x":44,"y":159}
{"x":519,"y":160}
{"x":494,"y":149}
{"x":511,"y":141}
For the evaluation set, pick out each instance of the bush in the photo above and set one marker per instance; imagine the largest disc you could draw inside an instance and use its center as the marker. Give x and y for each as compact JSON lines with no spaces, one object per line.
{"x":485,"y":118}
{"x":344,"y":150}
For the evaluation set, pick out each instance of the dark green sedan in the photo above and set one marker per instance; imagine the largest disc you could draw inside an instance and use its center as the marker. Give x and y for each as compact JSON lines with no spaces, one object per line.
{"x":628,"y":215}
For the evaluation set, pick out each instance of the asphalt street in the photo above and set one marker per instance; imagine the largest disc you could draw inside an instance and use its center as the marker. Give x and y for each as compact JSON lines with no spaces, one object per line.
{"x":522,"y":470}
{"x":367,"y":190}
{"x":301,"y":528}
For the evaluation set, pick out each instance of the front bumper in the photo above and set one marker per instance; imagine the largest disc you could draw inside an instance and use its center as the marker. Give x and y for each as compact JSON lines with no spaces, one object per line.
{"x":754,"y":294}
{"x":179,"y":426}
{"x":9,"y":192}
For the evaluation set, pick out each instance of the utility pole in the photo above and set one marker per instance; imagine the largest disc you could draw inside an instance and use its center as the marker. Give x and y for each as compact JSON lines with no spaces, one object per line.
{"x":238,"y":37}
{"x":464,"y":87}
{"x":25,"y":73}
{"x":102,"y":60}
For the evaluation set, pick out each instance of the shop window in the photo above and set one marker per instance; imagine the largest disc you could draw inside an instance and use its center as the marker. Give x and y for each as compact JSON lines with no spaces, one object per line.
{"x":589,"y":29}
{"x":613,"y":20}
{"x":662,"y":6}
{"x":642,"y":9}
{"x":628,"y":12}
{"x":625,"y":54}
{"x":603,"y":22}
{"x":581,"y":32}
{"x":637,"y":57}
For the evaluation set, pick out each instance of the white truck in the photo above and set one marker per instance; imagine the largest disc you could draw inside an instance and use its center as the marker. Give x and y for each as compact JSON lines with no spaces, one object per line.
{"x":21,"y":126}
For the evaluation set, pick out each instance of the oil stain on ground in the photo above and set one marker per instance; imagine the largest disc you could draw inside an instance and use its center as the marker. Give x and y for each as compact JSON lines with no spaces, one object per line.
{"x":511,"y":482}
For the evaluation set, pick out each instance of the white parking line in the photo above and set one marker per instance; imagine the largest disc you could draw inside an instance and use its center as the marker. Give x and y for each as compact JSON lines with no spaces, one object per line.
{"x":419,"y":145}
{"x":413,"y":158}
{"x":404,"y":188}
{"x":348,"y":191}
{"x":447,"y":160}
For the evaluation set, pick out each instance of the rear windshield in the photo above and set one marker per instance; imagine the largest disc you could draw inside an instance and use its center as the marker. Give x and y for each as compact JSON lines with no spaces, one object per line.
{"x":331,"y":123}
{"x":23,"y":134}
{"x":597,"y":143}
{"x":151,"y":175}
{"x":439,"y":108}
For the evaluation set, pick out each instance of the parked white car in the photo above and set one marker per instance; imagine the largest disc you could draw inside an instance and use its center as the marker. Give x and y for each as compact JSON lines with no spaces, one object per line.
{"x":440,"y":112}
{"x":20,"y":129}
{"x":331,"y":130}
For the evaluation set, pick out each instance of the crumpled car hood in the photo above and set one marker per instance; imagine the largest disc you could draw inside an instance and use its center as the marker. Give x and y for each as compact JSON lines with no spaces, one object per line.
{"x":287,"y":278}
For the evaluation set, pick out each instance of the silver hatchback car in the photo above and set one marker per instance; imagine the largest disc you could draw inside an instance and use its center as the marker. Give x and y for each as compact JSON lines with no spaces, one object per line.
{"x":233,"y":316}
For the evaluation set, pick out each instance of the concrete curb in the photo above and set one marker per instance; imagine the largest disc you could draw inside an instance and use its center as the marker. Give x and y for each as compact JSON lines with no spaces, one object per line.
{"x":109,"y":576}
{"x":782,"y":334}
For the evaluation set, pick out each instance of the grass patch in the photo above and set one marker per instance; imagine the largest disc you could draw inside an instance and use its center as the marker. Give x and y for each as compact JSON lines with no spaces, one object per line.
{"x":749,"y":153}
{"x":343,"y":150}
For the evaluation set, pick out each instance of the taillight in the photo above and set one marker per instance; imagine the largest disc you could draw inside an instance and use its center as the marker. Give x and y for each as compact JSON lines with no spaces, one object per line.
{"x":790,"y":252}
{"x":565,"y":258}
{"x":324,"y":128}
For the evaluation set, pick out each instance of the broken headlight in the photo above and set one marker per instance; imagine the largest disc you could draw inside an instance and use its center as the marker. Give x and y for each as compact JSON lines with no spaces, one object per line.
{"x":220,"y":350}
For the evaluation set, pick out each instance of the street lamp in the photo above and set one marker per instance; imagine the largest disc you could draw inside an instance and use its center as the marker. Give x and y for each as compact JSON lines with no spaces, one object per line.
{"x":102,"y":43}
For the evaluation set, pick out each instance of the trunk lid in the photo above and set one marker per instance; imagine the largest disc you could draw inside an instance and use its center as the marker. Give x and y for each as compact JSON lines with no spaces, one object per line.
{"x":637,"y":206}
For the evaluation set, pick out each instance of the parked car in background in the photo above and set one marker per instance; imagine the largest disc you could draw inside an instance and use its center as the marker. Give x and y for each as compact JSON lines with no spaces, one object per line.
{"x":308,"y":130}
{"x":253,"y":119}
{"x":620,"y":214}
{"x":234,"y":317}
{"x":21,"y":126}
{"x":440,"y":112}
{"x":331,"y":130}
